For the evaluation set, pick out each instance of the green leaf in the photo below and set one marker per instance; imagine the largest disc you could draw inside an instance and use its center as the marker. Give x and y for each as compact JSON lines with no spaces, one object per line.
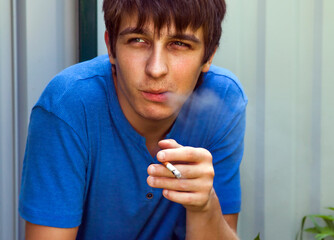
{"x":321,"y":232}
{"x":316,"y":225}
{"x":299,"y":235}
{"x":321,"y":236}
{"x":329,"y":223}
{"x":257,"y":237}
{"x":327,"y":217}
{"x":325,"y":232}
{"x":312,"y":230}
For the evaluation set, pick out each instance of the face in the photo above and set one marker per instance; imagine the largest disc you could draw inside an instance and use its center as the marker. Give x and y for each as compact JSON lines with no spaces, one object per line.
{"x":155,"y":74}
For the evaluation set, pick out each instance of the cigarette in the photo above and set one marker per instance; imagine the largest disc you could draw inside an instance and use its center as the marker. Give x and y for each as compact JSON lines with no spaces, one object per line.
{"x":173,"y":169}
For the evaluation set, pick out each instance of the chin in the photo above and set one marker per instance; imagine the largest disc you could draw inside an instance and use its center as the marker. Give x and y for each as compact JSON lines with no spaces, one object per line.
{"x":154,"y":117}
{"x":158,"y":115}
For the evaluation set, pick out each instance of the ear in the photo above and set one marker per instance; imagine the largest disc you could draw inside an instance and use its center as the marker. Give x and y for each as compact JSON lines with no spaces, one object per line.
{"x":206,"y":65}
{"x":106,"y":39}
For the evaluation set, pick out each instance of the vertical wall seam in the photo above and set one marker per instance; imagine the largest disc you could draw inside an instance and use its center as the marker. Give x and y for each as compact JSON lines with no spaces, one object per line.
{"x":296,"y":97}
{"x":21,"y":97}
{"x":16,"y":166}
{"x":316,"y":108}
{"x":260,"y":122}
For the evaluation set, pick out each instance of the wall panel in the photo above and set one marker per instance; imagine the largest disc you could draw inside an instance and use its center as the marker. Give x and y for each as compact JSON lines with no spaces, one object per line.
{"x":8,"y":211}
{"x":37,"y":39}
{"x":283,"y":54}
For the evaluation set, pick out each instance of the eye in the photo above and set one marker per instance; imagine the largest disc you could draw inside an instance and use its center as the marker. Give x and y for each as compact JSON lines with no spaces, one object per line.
{"x":139,"y":40}
{"x":136,"y":40}
{"x":180,"y":44}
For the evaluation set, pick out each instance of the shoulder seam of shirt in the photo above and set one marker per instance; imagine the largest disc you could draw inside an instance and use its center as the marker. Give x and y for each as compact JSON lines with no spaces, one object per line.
{"x":81,"y":78}
{"x":73,"y":83}
{"x":231,"y":79}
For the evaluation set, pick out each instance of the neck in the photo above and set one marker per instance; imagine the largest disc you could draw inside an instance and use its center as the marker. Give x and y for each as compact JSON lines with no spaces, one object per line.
{"x":153,"y":130}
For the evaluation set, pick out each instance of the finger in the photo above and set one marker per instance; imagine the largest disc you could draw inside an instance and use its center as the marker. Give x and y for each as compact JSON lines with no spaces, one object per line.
{"x":187,"y":199}
{"x":184,"y":154}
{"x":183,"y":185}
{"x":159,"y":170}
{"x":168,"y":143}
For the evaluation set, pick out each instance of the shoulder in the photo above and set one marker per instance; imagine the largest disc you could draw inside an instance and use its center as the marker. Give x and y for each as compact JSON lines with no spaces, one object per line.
{"x":224,"y":83}
{"x":76,"y":84}
{"x":78,"y":92}
{"x":220,"y":91}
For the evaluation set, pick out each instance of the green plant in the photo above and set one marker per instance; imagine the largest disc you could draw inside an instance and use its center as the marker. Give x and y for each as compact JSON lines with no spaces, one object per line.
{"x":257,"y":237}
{"x":326,"y":232}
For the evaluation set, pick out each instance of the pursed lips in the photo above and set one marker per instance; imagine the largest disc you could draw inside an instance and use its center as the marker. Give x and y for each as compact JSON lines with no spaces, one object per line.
{"x":155,"y":95}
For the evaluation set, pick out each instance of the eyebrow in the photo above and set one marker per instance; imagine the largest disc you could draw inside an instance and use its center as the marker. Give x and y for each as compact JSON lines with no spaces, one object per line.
{"x":188,"y":37}
{"x":181,"y":36}
{"x":133,"y":30}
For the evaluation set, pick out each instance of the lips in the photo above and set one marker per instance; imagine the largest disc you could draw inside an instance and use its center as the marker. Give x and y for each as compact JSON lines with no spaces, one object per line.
{"x":155,"y":96}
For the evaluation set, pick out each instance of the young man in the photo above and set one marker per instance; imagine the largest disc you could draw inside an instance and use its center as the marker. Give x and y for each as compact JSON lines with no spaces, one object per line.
{"x":102,"y":129}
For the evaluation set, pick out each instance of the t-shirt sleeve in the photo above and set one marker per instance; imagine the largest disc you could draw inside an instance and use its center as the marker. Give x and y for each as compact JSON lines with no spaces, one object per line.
{"x":226,"y":147}
{"x":54,"y":172}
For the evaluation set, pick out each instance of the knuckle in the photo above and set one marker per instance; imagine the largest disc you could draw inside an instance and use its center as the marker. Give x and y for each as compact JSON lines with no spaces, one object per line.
{"x":211,"y":172}
{"x":206,"y":154}
{"x":208,"y":172}
{"x":186,"y":172}
{"x":183,"y":186}
{"x":189,"y":152}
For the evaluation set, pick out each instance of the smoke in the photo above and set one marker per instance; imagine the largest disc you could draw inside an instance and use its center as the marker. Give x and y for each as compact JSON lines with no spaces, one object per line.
{"x":203,"y":99}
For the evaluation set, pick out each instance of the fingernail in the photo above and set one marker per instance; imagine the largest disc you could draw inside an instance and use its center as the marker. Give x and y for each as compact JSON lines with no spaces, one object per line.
{"x":165,"y":192}
{"x":149,"y":181}
{"x":161,"y":155}
{"x":152,"y":169}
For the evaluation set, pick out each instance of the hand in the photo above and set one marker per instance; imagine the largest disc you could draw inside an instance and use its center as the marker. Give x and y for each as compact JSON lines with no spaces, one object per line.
{"x":195,"y":188}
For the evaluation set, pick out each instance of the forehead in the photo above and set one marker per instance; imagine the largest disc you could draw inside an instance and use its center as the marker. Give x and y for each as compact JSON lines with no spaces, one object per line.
{"x":130,"y":22}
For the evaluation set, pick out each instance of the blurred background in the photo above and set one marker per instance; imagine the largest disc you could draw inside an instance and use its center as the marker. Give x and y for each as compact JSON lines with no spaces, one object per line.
{"x":282,"y":52}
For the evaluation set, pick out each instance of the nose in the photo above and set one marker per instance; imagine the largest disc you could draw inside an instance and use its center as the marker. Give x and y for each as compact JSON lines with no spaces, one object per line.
{"x":156,"y":65}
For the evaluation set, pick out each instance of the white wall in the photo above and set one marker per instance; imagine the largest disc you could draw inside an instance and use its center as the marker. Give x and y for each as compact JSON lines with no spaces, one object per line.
{"x":38,"y":39}
{"x":283,"y":53}
{"x":101,"y":46}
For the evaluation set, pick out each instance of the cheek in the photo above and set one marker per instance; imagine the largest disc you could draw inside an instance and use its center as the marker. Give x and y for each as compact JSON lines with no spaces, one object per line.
{"x":129,"y":68}
{"x":129,"y":60}
{"x":187,"y":64}
{"x":187,"y":72}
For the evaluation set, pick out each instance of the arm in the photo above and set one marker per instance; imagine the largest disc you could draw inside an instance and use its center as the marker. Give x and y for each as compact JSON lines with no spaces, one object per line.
{"x":53,"y":177}
{"x":39,"y":232}
{"x":211,"y":224}
{"x":194,"y":190}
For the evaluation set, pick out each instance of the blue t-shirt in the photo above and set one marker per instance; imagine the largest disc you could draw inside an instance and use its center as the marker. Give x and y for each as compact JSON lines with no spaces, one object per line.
{"x":86,"y":165}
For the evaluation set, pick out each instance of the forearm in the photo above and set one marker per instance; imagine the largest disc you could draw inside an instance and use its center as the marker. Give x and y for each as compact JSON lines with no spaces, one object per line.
{"x":209,"y":224}
{"x":39,"y":232}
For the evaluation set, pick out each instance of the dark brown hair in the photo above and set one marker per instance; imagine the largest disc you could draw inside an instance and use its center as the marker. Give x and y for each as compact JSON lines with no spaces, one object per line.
{"x":208,"y":14}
